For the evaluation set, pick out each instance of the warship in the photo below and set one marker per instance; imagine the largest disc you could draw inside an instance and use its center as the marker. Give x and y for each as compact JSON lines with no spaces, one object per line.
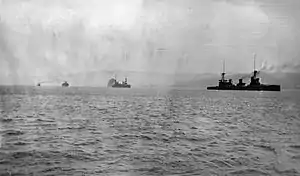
{"x":114,"y":83}
{"x":39,"y":84}
{"x":65,"y":84}
{"x":254,"y":84}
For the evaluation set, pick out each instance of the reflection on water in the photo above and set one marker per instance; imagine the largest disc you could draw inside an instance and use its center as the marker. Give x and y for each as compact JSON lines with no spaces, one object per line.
{"x":55,"y":131}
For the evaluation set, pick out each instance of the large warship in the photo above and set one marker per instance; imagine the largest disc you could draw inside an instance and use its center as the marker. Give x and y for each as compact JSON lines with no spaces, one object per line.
{"x":114,"y":83}
{"x":65,"y":84}
{"x":254,"y":84}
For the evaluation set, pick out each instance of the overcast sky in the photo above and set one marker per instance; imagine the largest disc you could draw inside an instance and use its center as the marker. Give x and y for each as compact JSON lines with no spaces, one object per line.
{"x":46,"y":38}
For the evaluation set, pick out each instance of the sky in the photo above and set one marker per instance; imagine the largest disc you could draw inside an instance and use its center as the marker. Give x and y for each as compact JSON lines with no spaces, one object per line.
{"x":58,"y":39}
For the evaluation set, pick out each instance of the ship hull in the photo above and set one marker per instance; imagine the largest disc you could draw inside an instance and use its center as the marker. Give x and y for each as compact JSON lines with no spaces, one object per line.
{"x":121,"y":86}
{"x":248,"y":88}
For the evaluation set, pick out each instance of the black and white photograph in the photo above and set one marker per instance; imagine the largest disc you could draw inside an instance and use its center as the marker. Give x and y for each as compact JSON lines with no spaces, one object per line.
{"x":149,"y":87}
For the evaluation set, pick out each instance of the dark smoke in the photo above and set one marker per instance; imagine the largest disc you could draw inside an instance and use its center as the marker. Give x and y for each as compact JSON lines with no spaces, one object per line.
{"x":267,"y":67}
{"x":292,"y":66}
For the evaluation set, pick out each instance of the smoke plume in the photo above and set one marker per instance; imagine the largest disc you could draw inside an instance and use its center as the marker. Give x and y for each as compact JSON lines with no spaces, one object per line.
{"x":283,"y":67}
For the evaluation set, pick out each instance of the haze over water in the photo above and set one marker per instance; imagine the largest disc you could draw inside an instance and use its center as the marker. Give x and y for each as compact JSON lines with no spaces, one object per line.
{"x":50,"y":130}
{"x":86,"y":42}
{"x":71,"y":131}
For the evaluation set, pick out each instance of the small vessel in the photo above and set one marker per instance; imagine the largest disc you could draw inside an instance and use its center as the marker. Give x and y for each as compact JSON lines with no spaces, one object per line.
{"x":114,"y":83}
{"x":65,"y":84}
{"x":254,"y":85}
{"x":38,"y":84}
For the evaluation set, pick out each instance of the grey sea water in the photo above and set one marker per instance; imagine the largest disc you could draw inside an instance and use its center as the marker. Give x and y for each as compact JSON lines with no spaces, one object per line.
{"x":98,"y":131}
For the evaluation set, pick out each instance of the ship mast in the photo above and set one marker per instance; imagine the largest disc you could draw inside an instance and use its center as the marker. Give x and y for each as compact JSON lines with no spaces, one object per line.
{"x":254,"y":56}
{"x":125,"y":54}
{"x":223,"y":73}
{"x":224,"y":66}
{"x":254,"y":71}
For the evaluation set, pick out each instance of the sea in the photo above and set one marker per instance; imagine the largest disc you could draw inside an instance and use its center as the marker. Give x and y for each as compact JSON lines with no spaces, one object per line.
{"x":141,"y":131}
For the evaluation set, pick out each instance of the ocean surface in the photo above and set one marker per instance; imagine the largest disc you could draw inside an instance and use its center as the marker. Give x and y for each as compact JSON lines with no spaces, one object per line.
{"x":99,"y":131}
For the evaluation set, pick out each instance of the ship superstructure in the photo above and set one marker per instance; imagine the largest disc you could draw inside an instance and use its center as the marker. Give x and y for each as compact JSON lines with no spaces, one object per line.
{"x":254,"y":84}
{"x":65,"y":84}
{"x":113,"y":82}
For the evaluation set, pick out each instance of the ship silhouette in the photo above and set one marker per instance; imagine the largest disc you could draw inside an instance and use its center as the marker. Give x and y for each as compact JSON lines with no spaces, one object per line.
{"x":114,"y":83}
{"x":254,"y":84}
{"x":65,"y":84}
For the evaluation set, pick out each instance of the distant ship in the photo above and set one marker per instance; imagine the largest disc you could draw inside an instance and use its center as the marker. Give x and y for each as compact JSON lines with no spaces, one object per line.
{"x":65,"y":84}
{"x":254,"y":85}
{"x":114,"y":83}
{"x":38,"y":84}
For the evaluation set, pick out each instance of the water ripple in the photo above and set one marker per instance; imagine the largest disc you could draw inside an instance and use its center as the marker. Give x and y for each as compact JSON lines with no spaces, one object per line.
{"x":135,"y":132}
